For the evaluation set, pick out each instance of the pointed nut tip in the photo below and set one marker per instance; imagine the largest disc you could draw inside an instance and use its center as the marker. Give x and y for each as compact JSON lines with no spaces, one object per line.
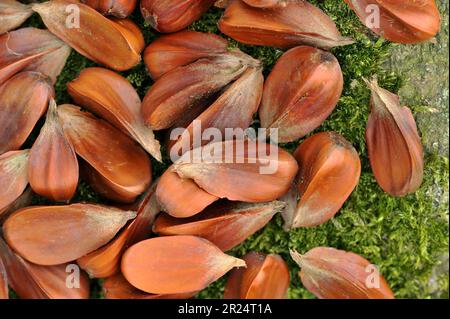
{"x":52,"y":107}
{"x":287,"y":227}
{"x":296,"y":257}
{"x":240,"y":263}
{"x":372,"y":83}
{"x":347,"y":41}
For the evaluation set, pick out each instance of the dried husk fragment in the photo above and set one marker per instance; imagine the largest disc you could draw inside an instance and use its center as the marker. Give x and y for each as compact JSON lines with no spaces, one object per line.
{"x":330,"y":273}
{"x":112,"y":97}
{"x":287,"y":26}
{"x":117,"y":287}
{"x":233,"y":109}
{"x":23,"y":100}
{"x":329,"y":172}
{"x":30,"y":281}
{"x":105,"y":261}
{"x":118,"y":8}
{"x":53,"y":235}
{"x":117,"y":167}
{"x":181,"y":197}
{"x":393,"y":143}
{"x":185,"y":87}
{"x":169,"y":16}
{"x":13,"y":177}
{"x":53,"y":164}
{"x":182,"y":48}
{"x":399,"y":21}
{"x":22,"y":201}
{"x":175,"y":264}
{"x":266,"y":277}
{"x":239,"y":170}
{"x":96,"y":37}
{"x":31,"y":49}
{"x":13,"y":14}
{"x":226,"y":225}
{"x":301,"y":92}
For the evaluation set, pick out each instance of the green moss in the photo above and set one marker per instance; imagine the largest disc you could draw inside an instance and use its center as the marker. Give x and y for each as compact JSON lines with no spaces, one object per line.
{"x":405,"y":237}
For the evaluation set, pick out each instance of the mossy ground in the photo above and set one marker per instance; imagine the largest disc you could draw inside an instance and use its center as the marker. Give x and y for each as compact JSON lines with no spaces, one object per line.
{"x":405,"y":237}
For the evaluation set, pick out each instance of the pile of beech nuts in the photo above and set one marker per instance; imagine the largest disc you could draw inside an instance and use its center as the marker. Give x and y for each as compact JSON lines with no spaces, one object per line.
{"x":168,"y":238}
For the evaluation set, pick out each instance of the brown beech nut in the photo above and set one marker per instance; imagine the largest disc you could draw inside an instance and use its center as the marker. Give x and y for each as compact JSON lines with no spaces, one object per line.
{"x":225,"y":224}
{"x":181,"y":197}
{"x":117,"y":287}
{"x":301,"y":92}
{"x":234,"y":108}
{"x":330,"y":273}
{"x":114,"y":164}
{"x":329,"y":171}
{"x":105,"y":261}
{"x":110,"y":96}
{"x":30,"y":281}
{"x":151,"y":267}
{"x":13,"y":14}
{"x":239,"y":170}
{"x":118,"y":8}
{"x":298,"y":22}
{"x":182,"y":48}
{"x":393,"y":143}
{"x":185,"y":87}
{"x":266,"y":277}
{"x":13,"y":177}
{"x":399,"y":21}
{"x":169,"y":16}
{"x":24,"y":99}
{"x":97,"y":37}
{"x":31,"y":49}
{"x":193,"y":183}
{"x":53,"y":164}
{"x":53,"y":235}
{"x":240,"y":175}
